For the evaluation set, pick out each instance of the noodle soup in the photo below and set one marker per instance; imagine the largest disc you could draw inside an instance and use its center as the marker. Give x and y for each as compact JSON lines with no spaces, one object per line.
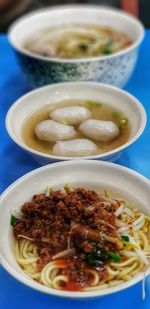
{"x":75,"y":239}
{"x":77,"y":41}
{"x":81,"y":131}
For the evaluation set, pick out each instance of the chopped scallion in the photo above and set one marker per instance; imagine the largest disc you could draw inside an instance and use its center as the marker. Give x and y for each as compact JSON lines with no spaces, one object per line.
{"x":123,"y":122}
{"x":13,"y":220}
{"x":114,"y":256}
{"x":106,"y":51}
{"x":91,"y":103}
{"x":68,"y":187}
{"x":93,"y":261}
{"x":125,"y":238}
{"x":120,"y":120}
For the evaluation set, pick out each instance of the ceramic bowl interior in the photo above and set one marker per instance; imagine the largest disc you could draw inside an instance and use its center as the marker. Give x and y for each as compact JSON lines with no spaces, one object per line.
{"x":95,"y":175}
{"x":27,"y":25}
{"x":33,"y":101}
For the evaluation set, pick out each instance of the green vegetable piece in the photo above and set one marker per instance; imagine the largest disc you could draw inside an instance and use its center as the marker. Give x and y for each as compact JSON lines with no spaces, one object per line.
{"x":68,"y":187}
{"x":93,"y":261}
{"x":123,"y":122}
{"x":114,"y":256}
{"x":91,"y":103}
{"x":125,"y":238}
{"x":106,"y":51}
{"x":120,"y":120}
{"x":100,"y":254}
{"x":13,"y":220}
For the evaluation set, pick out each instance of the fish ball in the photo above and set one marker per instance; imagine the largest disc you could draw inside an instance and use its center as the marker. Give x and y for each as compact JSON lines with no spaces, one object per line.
{"x":73,"y":115}
{"x":99,"y":130}
{"x":75,"y":148}
{"x":52,"y":131}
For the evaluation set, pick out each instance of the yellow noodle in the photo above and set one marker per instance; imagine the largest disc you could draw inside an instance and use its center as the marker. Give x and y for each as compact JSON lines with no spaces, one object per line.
{"x":98,"y":287}
{"x":127,"y":270}
{"x":115,"y":282}
{"x":144,"y":240}
{"x":126,"y":263}
{"x":112,"y":272}
{"x":47,"y":274}
{"x":58,"y":280}
{"x":127,"y":277}
{"x":94,"y":275}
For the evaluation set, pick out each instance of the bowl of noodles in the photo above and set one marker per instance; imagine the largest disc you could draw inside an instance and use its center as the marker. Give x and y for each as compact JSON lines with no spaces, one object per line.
{"x":77,"y":42}
{"x":77,"y":229}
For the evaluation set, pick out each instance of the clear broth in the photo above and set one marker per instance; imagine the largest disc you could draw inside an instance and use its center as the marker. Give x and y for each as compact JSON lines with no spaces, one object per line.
{"x":99,"y":111}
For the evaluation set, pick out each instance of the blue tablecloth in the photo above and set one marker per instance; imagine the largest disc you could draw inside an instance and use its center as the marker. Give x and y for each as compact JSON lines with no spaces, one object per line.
{"x":14,"y":162}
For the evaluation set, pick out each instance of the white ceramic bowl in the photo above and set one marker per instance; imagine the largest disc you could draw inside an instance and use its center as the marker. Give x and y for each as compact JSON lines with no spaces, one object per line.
{"x":113,"y":69}
{"x":89,"y":174}
{"x":36,"y":99}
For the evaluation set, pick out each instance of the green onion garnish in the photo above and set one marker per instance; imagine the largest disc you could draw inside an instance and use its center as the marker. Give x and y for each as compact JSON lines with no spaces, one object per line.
{"x":114,"y":256}
{"x":68,"y":187}
{"x":91,"y":103}
{"x":125,"y":238}
{"x":93,"y":261}
{"x":106,"y":51}
{"x":120,"y":120}
{"x":13,"y":220}
{"x":123,"y":122}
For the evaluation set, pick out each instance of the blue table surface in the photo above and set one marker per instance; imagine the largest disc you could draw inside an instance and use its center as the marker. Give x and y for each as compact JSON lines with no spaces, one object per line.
{"x":14,"y":162}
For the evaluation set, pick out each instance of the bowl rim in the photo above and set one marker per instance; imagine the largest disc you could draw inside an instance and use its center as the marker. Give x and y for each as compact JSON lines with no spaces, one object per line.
{"x":70,"y":294}
{"x":117,"y":11}
{"x":88,"y":84}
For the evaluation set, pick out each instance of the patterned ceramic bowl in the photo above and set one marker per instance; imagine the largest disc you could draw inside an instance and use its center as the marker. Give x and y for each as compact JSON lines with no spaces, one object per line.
{"x":113,"y":69}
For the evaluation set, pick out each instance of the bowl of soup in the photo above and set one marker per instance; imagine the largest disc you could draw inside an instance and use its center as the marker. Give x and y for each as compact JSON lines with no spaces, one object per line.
{"x":77,"y":43}
{"x":77,"y":229}
{"x":79,"y":120}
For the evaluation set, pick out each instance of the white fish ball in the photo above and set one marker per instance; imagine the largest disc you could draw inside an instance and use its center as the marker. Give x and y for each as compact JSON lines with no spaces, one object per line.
{"x":75,"y":148}
{"x":99,"y":130}
{"x":52,"y":131}
{"x":73,"y":115}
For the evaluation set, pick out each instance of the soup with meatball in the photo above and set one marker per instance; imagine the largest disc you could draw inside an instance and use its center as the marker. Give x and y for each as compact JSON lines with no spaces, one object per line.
{"x":76,"y":128}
